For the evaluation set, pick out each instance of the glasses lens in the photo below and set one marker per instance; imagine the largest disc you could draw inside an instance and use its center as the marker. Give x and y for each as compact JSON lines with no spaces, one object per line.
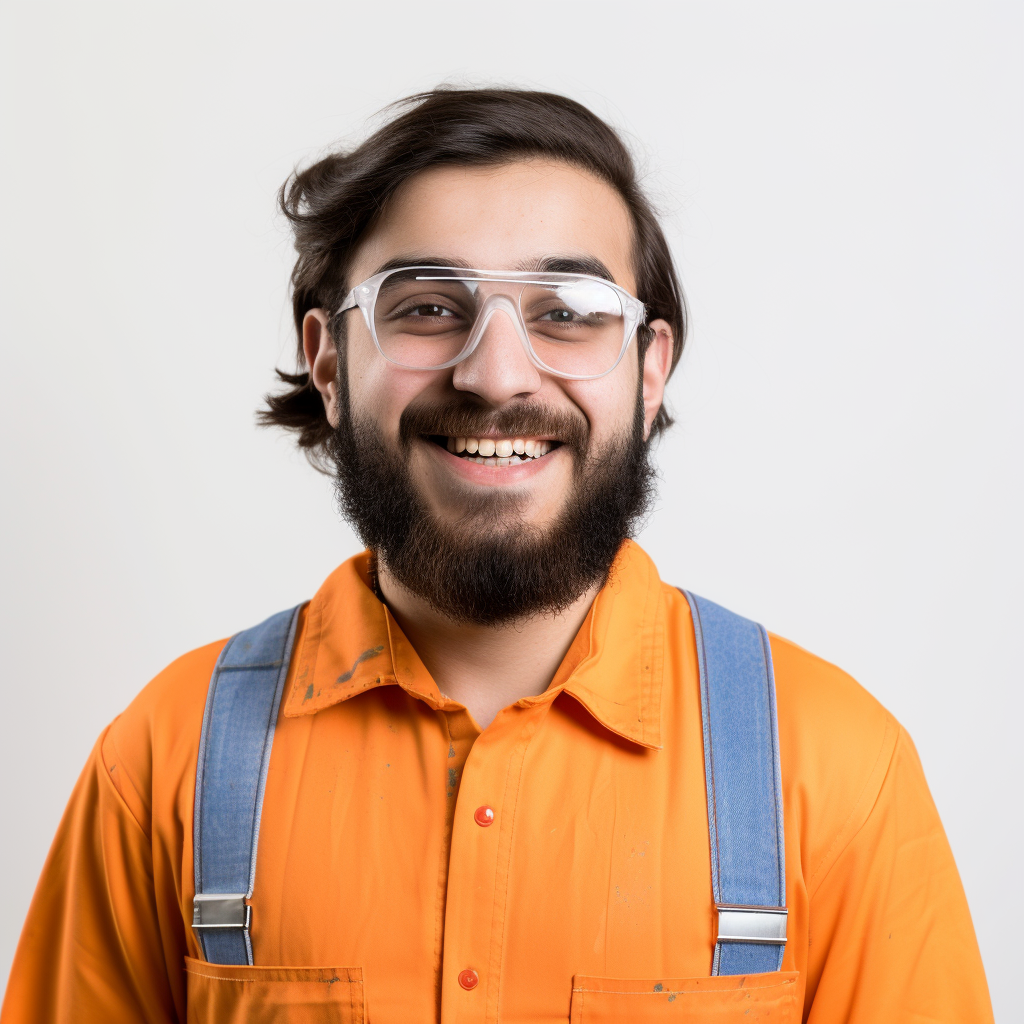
{"x":423,"y":323}
{"x":576,"y":327}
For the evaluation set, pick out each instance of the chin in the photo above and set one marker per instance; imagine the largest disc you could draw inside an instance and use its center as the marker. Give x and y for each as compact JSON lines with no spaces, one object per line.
{"x":482,"y":517}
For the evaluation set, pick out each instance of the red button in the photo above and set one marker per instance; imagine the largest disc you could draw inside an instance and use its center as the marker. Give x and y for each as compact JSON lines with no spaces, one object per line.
{"x":483,"y":816}
{"x":469,"y":979}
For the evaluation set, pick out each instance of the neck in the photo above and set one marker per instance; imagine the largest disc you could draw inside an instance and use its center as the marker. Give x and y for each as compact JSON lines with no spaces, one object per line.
{"x":485,"y":668}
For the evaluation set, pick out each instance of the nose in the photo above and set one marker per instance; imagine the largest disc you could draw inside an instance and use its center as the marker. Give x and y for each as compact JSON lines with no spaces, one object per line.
{"x":499,"y":368}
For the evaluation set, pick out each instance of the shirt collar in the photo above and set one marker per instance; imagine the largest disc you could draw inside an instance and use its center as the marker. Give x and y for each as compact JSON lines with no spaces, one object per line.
{"x":352,"y":643}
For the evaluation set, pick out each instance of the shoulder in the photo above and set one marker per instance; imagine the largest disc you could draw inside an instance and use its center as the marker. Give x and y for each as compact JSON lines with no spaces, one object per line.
{"x":820,"y":703}
{"x":825,"y":715}
{"x":829,"y":725}
{"x":149,"y":750}
{"x":836,"y":742}
{"x":828,"y":722}
{"x":836,"y":745}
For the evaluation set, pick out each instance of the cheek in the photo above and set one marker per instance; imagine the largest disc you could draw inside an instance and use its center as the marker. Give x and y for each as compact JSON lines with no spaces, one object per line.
{"x":378,"y":390}
{"x":609,"y":403}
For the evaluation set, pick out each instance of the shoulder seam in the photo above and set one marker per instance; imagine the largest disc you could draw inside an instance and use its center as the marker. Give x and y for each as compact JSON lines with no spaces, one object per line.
{"x":127,"y":774}
{"x":110,"y":782}
{"x":832,"y":854}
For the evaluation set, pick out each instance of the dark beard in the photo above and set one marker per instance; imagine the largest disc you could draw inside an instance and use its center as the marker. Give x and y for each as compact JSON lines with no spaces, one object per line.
{"x":491,"y":580}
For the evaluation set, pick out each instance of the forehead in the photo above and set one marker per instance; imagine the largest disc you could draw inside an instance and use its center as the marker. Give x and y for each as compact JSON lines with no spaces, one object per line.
{"x":500,"y":218}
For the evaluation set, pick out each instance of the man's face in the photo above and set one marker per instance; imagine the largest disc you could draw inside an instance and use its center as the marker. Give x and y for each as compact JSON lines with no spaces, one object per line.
{"x":512,"y":216}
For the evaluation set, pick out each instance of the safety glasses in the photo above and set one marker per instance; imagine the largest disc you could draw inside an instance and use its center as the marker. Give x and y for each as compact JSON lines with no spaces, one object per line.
{"x":430,"y":318}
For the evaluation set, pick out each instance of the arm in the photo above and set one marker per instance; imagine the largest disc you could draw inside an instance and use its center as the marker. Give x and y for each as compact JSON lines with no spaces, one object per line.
{"x":891,"y":934}
{"x":93,"y":949}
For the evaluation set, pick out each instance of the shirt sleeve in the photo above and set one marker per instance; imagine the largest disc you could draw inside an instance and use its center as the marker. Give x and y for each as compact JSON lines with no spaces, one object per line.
{"x":92,"y":948}
{"x":891,"y":937}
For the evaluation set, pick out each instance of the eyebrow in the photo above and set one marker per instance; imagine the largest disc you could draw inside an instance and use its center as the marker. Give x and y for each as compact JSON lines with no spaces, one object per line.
{"x":398,"y":262}
{"x":572,"y":265}
{"x":563,"y":264}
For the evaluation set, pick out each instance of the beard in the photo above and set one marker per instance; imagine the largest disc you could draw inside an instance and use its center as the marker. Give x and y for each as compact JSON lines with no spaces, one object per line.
{"x":486,"y":565}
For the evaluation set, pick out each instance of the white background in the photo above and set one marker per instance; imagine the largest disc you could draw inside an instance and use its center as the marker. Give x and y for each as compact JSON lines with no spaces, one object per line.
{"x":842,"y":188}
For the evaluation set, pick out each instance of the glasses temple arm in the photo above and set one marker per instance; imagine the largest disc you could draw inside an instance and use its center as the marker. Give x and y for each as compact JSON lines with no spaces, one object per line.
{"x":349,"y":303}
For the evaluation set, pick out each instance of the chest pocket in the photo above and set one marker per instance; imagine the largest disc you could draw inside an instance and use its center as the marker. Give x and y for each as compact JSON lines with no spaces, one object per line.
{"x":221,"y":994}
{"x":718,"y":1000}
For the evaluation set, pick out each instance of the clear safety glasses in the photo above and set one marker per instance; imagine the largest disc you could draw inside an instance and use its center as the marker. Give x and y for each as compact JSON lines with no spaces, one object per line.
{"x":429,"y":318}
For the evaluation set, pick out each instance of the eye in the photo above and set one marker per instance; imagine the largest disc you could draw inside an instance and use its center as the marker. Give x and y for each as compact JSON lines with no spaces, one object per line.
{"x":431,"y":310}
{"x":564,"y":317}
{"x":559,"y":316}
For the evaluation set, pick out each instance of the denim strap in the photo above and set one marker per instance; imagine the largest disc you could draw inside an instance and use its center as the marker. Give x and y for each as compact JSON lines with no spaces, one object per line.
{"x":234,"y":755}
{"x":744,"y":783}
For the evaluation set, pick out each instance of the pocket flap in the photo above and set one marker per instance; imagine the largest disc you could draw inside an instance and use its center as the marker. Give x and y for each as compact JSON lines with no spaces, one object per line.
{"x":740,"y":997}
{"x":226,"y":994}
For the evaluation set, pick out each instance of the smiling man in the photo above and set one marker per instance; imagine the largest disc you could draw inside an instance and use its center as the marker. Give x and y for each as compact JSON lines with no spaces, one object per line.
{"x":496,"y":769}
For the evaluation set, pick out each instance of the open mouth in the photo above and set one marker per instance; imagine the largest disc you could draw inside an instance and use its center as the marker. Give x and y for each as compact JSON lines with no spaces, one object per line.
{"x":496,"y":451}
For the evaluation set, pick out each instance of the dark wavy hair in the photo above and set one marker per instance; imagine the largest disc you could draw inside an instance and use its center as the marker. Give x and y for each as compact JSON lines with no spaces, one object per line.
{"x":333,"y":203}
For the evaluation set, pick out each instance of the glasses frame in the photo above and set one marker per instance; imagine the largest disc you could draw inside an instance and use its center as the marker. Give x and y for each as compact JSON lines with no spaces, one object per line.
{"x":364,"y":296}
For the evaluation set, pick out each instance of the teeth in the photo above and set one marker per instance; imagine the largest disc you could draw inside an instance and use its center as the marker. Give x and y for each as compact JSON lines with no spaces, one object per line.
{"x":502,"y":452}
{"x":513,"y":461}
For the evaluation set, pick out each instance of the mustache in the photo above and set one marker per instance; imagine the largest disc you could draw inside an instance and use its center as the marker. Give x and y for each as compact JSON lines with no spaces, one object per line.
{"x":519,"y":419}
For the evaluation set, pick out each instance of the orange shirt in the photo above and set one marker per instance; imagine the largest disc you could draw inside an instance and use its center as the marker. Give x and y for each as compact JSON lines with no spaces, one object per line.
{"x":589,"y":896}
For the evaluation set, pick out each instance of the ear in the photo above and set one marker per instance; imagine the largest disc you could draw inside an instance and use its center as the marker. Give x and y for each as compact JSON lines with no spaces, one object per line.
{"x":322,"y":360}
{"x":657,"y":364}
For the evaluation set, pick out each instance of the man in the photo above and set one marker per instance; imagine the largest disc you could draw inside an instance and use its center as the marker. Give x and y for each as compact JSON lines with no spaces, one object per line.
{"x":495,"y":784}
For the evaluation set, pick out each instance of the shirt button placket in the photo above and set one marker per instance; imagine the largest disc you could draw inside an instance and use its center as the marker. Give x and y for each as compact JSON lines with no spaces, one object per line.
{"x":472,"y":877}
{"x":468,"y":978}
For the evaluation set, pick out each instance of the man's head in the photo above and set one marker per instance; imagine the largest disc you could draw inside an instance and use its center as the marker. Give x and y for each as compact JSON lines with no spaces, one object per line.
{"x":502,"y":181}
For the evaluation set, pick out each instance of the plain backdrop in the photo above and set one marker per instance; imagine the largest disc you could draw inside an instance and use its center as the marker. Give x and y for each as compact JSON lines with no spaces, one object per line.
{"x":841,"y":185}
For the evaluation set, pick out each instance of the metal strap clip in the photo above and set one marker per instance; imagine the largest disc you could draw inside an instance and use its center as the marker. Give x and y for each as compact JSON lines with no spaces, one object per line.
{"x":220,"y":910}
{"x":762,"y":925}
